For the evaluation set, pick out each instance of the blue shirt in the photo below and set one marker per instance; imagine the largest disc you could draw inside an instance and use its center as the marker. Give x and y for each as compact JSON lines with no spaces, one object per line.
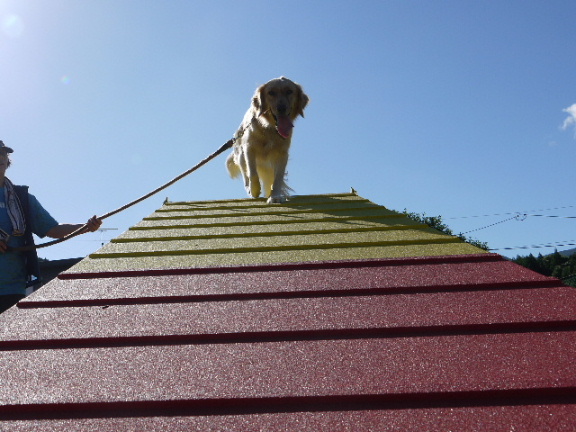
{"x":12,"y":269}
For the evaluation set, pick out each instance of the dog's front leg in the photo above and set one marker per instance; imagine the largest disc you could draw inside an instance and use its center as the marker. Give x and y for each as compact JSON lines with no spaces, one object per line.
{"x":252,"y":181}
{"x":279,"y":192}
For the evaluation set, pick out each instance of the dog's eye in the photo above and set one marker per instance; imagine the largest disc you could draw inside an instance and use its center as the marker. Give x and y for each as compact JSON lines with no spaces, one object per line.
{"x":289,"y":92}
{"x":272,"y":93}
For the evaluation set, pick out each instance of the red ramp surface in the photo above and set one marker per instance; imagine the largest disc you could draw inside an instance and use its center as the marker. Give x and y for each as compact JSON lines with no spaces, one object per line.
{"x":447,"y":341}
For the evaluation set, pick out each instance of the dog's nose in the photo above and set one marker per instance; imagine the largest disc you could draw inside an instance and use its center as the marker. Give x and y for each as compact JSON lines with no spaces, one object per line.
{"x":281,"y":108}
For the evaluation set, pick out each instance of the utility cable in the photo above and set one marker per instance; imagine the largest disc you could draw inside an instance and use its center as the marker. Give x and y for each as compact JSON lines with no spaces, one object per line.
{"x":509,"y":213}
{"x":544,"y":245}
{"x":518,"y":217}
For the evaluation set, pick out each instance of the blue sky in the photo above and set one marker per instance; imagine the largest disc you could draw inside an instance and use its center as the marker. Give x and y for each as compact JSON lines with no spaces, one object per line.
{"x":452,"y":108}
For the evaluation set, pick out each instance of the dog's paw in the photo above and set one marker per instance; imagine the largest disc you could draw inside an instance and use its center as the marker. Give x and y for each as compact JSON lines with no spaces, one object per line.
{"x":276,"y":200}
{"x":253,"y":188}
{"x":251,"y":193}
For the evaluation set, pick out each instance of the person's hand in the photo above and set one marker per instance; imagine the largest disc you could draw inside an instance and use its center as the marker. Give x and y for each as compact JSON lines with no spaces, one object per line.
{"x":3,"y":246}
{"x":93,"y":224}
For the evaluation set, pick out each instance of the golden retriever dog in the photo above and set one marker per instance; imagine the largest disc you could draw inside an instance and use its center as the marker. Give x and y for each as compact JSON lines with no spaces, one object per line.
{"x":260,"y":151}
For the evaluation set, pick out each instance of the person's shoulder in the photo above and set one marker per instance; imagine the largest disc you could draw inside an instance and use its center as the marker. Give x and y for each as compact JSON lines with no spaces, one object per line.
{"x":32,"y":200}
{"x":21,"y":189}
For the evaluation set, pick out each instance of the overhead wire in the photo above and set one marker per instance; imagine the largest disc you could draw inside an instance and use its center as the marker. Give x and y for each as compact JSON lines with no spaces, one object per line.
{"x":509,"y":213}
{"x":517,"y":217}
{"x":539,"y":246}
{"x":521,"y":216}
{"x":552,"y":216}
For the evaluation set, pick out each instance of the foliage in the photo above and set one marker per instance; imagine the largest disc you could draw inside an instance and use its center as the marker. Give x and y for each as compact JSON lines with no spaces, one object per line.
{"x":437,"y":223}
{"x":554,"y":265}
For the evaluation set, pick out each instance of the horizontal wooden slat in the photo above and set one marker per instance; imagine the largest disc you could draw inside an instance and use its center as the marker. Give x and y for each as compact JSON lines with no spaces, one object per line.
{"x":193,"y":232}
{"x":289,"y":207}
{"x":229,"y":218}
{"x":261,"y":202}
{"x":544,"y":417}
{"x":415,"y":274}
{"x":274,"y":243}
{"x":225,"y":259}
{"x":323,"y":317}
{"x":392,"y":367}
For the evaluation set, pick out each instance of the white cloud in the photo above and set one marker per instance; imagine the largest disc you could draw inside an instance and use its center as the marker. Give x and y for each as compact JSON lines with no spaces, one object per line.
{"x":571,"y":119}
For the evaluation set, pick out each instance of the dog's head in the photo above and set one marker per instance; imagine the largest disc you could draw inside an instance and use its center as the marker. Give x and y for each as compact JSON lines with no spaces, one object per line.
{"x":280,"y":101}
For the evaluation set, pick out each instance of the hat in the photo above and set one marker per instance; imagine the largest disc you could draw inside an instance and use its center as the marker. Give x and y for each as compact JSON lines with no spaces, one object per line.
{"x":5,"y":147}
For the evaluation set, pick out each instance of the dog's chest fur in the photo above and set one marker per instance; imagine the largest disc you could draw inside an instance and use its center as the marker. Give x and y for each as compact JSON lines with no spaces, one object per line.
{"x":263,"y":135}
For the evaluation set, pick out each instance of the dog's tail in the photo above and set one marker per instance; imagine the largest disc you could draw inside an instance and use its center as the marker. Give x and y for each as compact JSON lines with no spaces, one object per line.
{"x":233,"y":168}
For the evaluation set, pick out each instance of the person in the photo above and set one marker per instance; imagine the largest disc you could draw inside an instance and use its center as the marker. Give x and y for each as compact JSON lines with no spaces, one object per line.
{"x":21,"y":215}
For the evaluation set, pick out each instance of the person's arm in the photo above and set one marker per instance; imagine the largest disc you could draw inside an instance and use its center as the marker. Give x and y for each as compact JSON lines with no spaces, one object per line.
{"x":62,"y":230}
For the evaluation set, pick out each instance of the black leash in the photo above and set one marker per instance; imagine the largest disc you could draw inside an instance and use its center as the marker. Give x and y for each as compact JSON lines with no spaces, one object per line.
{"x":82,"y":229}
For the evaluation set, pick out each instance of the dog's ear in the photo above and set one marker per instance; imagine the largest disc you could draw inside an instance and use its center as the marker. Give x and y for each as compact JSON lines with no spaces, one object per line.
{"x":301,"y":101}
{"x":259,"y":100}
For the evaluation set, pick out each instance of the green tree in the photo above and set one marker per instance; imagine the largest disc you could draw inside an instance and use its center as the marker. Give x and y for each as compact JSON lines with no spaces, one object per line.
{"x":436,"y":222}
{"x":554,"y":265}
